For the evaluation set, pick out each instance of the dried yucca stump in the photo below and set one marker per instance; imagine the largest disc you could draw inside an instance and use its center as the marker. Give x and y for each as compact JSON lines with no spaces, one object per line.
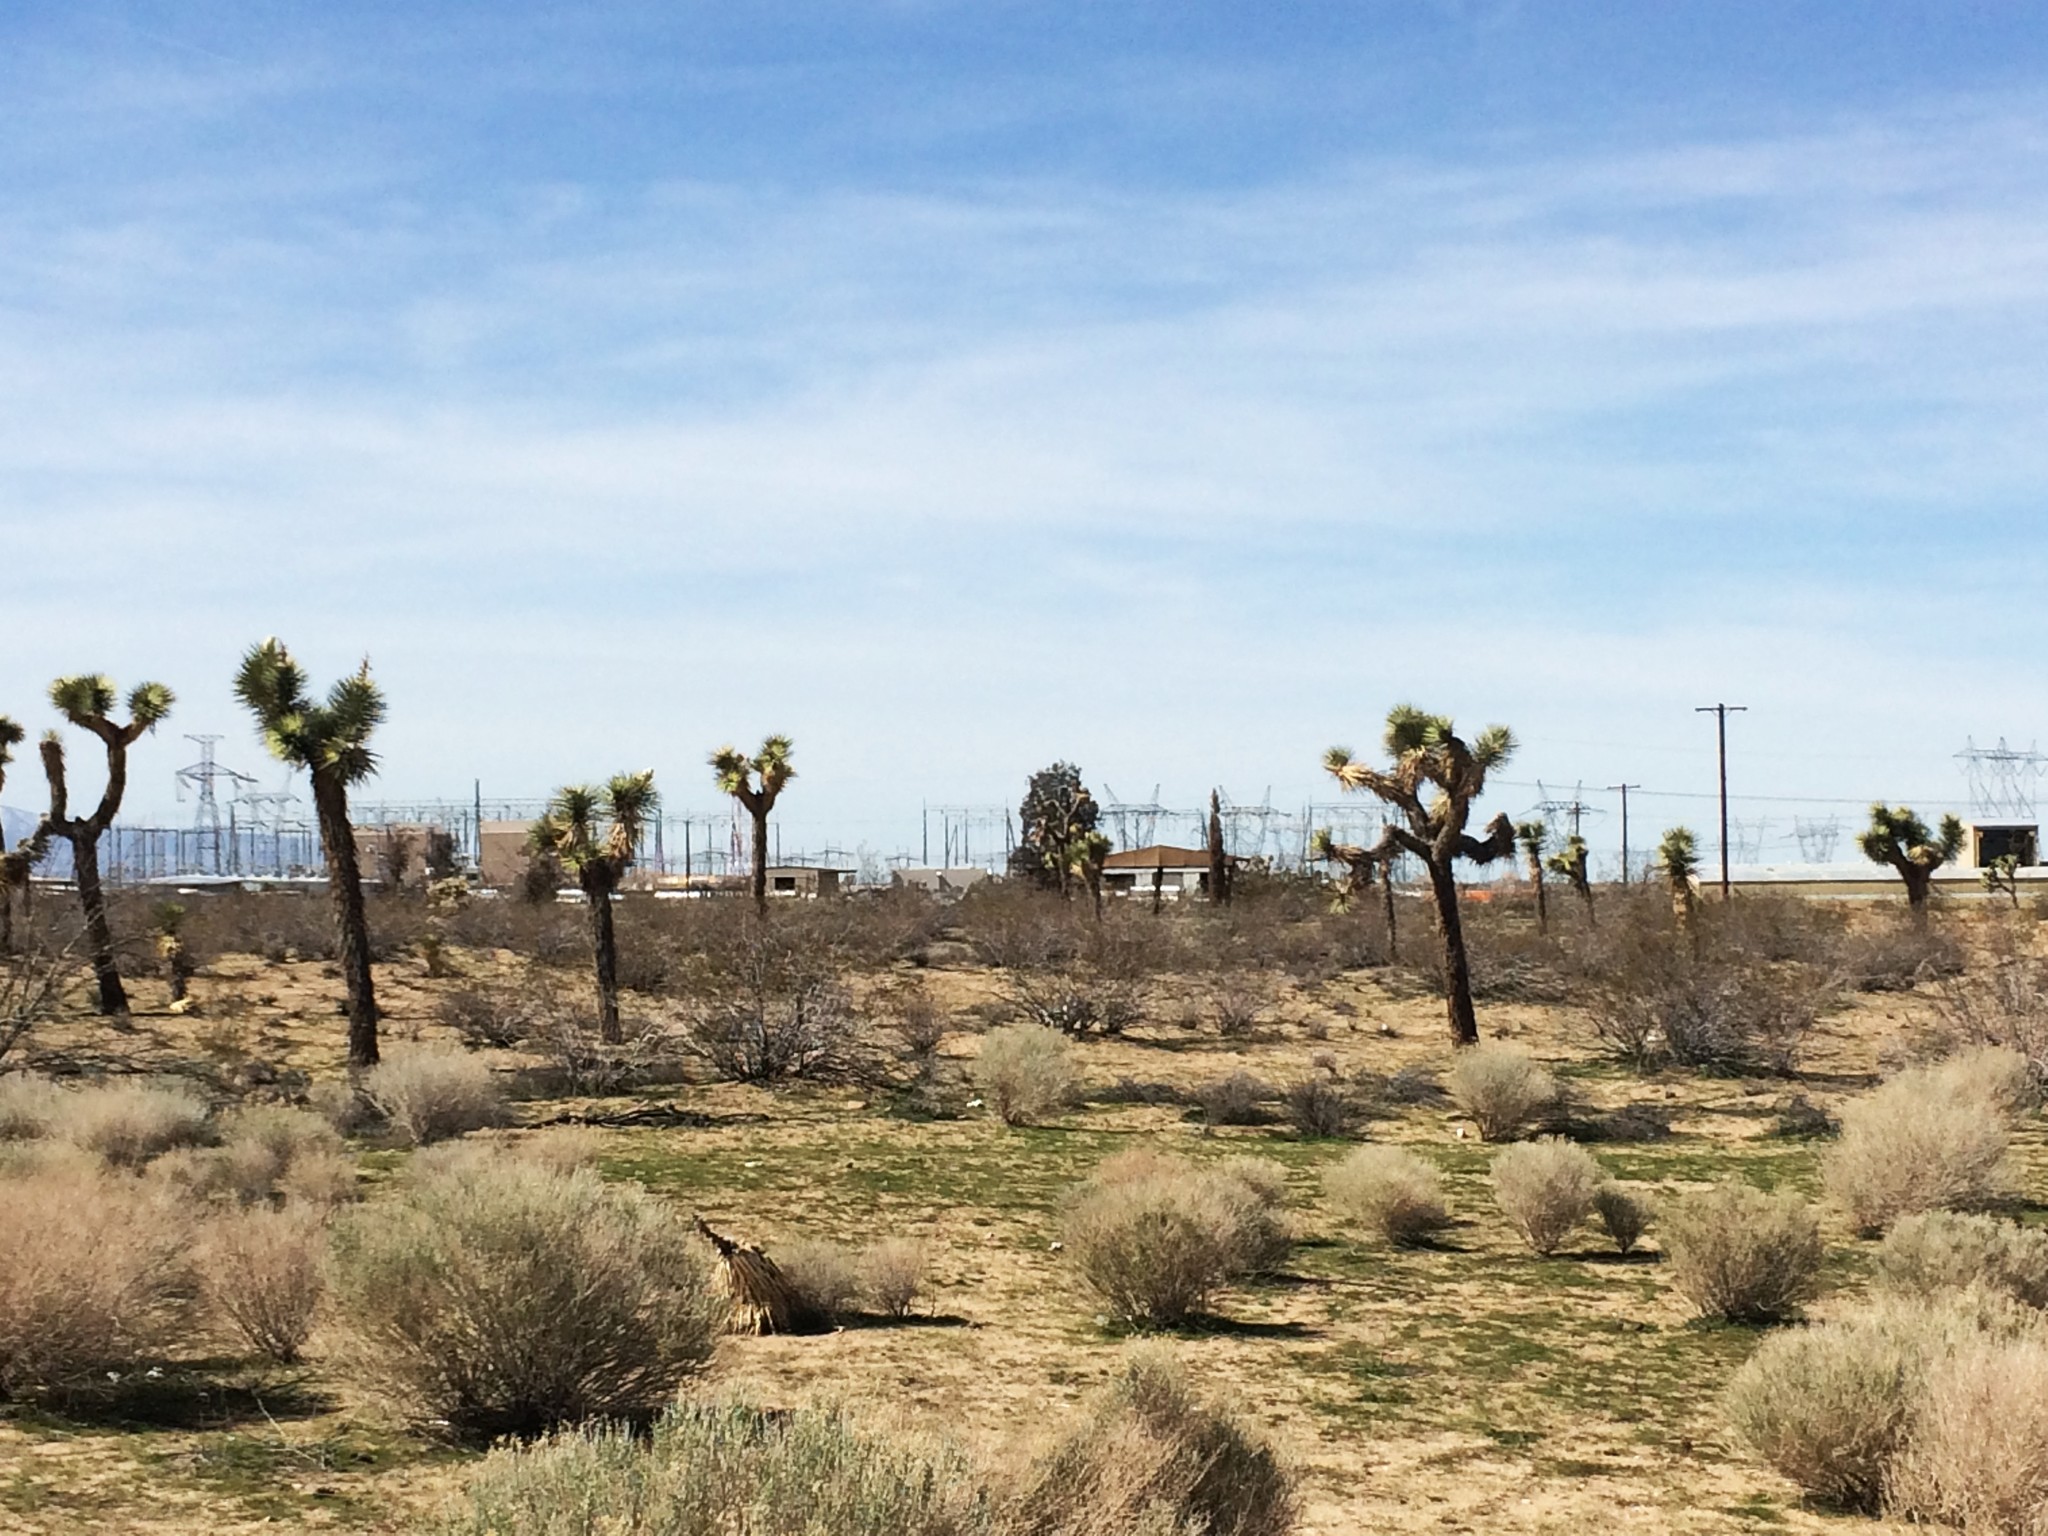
{"x":763,"y":1300}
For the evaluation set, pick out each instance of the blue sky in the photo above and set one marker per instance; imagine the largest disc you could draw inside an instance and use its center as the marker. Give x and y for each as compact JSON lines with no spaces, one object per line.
{"x":1171,"y":388}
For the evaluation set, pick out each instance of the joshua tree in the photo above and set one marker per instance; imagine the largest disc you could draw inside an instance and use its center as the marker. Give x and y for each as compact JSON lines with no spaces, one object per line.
{"x":1055,"y":821}
{"x":14,"y":867}
{"x":1426,"y":750}
{"x":1219,"y":861}
{"x":1361,"y":866}
{"x":11,"y":736}
{"x":1532,"y":835}
{"x":169,"y":917}
{"x":1679,"y":857}
{"x":1570,"y":862}
{"x":1901,"y":839}
{"x":593,"y":832}
{"x":2002,"y":875}
{"x":1084,"y":862}
{"x":87,"y":702}
{"x":331,"y":741}
{"x":756,"y":782}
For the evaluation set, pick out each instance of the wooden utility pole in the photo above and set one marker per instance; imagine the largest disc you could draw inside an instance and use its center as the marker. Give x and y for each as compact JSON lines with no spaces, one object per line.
{"x":1624,"y":788}
{"x":1721,"y":712}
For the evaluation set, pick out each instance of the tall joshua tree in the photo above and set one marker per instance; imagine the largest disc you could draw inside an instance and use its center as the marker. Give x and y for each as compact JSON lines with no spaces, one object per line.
{"x":1570,"y":862}
{"x":11,"y":736}
{"x":1678,"y":856}
{"x":1055,"y":823}
{"x":756,"y":782}
{"x":594,"y":832}
{"x":88,"y":703}
{"x":331,"y":741}
{"x":15,"y":863}
{"x":1533,"y":835}
{"x":1902,"y":840}
{"x":1425,"y":750}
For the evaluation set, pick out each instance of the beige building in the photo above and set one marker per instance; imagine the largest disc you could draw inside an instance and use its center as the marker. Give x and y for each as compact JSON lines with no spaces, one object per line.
{"x":1173,"y":872}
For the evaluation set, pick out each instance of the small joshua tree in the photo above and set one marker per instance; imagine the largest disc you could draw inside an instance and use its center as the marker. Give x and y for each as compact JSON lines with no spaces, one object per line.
{"x":756,"y":782}
{"x":1361,"y":866}
{"x":2002,"y":877}
{"x":1570,"y":862}
{"x":88,"y":702}
{"x":1426,"y":750}
{"x":169,"y":917}
{"x":1533,"y":836}
{"x":331,"y":741}
{"x":1055,"y":823}
{"x":1902,"y":840}
{"x":16,"y":863}
{"x":11,"y":736}
{"x":1679,"y":857}
{"x":594,"y":832}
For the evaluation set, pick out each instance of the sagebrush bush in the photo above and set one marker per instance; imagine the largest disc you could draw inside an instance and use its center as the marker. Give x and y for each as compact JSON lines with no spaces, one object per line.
{"x":1317,"y":1105}
{"x":28,"y":1106}
{"x":1933,"y":1138}
{"x":429,"y":1096}
{"x":1830,"y":1405}
{"x":1976,"y":1455}
{"x":1391,"y":1191}
{"x":1151,"y":1457}
{"x":1625,"y":1215}
{"x":342,"y":1105}
{"x":1743,"y":1255}
{"x":95,"y":1276}
{"x":1237,"y":1099}
{"x":1260,"y":1187}
{"x":263,"y":1271}
{"x":321,"y":1178}
{"x":130,"y":1123}
{"x":1502,"y":1089}
{"x":891,"y":1274}
{"x":1932,"y":1252}
{"x":1546,"y":1188}
{"x":824,"y":1275}
{"x":709,"y":1469}
{"x":260,"y":1147}
{"x":503,"y":1296}
{"x":1155,"y":1238}
{"x":1025,"y":1072}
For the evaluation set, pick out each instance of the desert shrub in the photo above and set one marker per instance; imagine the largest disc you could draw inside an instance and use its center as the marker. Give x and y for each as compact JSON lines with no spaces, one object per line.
{"x":1238,"y":1001}
{"x":1150,"y":1456}
{"x":1155,"y":1239}
{"x":891,"y":1275}
{"x":824,"y":1275}
{"x":717,"y":1467}
{"x":1073,"y":999}
{"x":1502,"y":1089}
{"x":1799,"y":1118}
{"x":31,"y":987}
{"x":1631,"y":1122}
{"x":498,"y":1017}
{"x":1238,"y":1099}
{"x":95,"y":1276}
{"x":431,"y":1095}
{"x":1933,"y":1138}
{"x":1317,"y":1105}
{"x":29,"y":1103}
{"x":1931,"y":1252}
{"x":1976,"y":1454}
{"x":1830,"y":1406}
{"x":1546,"y":1188}
{"x":504,"y":1296}
{"x":2001,"y":1002}
{"x":1624,"y":1214}
{"x":1743,"y":1255}
{"x":1895,"y":957}
{"x":342,"y":1105}
{"x":766,"y":1003}
{"x":321,"y":1178}
{"x":129,"y":1123}
{"x":1025,"y":1072}
{"x":1260,"y":1187}
{"x":262,"y":1270}
{"x":1730,"y":1015}
{"x":1391,"y":1191}
{"x":561,"y":1147}
{"x":261,"y":1146}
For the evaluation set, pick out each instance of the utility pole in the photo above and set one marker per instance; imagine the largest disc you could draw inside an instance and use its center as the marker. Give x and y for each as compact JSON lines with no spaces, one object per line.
{"x":1624,"y":788}
{"x":1721,"y":712}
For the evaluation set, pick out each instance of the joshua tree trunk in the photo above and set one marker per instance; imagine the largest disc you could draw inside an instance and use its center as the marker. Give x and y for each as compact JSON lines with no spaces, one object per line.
{"x":1443,"y":885}
{"x":99,"y":937}
{"x":1918,"y":882}
{"x":351,"y":926}
{"x":604,"y":947}
{"x":1586,"y":895}
{"x":1387,"y":907}
{"x":761,"y":860}
{"x":1542,"y":903}
{"x":1158,"y":889}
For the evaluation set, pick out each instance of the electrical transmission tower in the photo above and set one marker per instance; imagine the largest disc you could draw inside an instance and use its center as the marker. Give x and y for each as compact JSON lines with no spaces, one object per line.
{"x":1573,"y":810}
{"x":1251,"y":831}
{"x":1746,"y":839}
{"x":1137,"y":825}
{"x":201,"y":777}
{"x":2001,"y":779}
{"x":1817,"y":837}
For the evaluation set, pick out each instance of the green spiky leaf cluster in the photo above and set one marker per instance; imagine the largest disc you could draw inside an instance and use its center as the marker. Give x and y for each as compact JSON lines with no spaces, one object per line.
{"x":87,"y":701}
{"x":331,"y":736}
{"x":1897,"y":835}
{"x":1570,"y":861}
{"x":1678,"y":855}
{"x":1533,"y":836}
{"x":758,"y":778}
{"x":598,"y":828}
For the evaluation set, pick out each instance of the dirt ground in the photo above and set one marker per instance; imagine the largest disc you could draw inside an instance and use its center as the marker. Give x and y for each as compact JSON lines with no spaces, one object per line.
{"x":1470,"y":1387}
